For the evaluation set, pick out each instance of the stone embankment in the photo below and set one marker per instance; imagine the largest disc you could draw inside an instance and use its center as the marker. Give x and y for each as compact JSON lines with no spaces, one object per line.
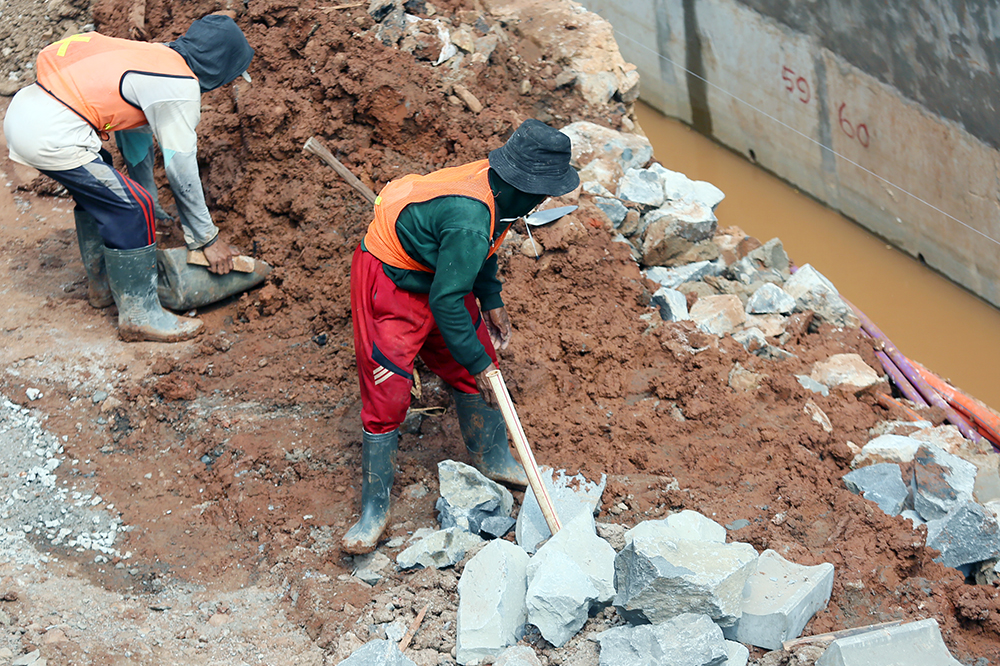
{"x":678,"y":591}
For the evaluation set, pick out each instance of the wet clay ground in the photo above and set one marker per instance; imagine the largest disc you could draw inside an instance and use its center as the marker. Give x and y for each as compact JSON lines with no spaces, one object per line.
{"x":236,"y":456}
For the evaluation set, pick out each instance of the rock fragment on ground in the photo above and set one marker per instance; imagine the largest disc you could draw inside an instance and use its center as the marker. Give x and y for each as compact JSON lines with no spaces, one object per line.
{"x":571,"y":495}
{"x":779,"y":599}
{"x":941,"y":481}
{"x":770,"y":299}
{"x":685,"y":640}
{"x":658,"y":576}
{"x":718,"y":315}
{"x":378,"y":653}
{"x":845,"y":370}
{"x":569,"y":576}
{"x":671,"y":303}
{"x":881,"y":483}
{"x":813,"y":291}
{"x":517,"y":655}
{"x":468,"y":498}
{"x":914,"y":644}
{"x":491,"y":608}
{"x":440,"y":549}
{"x":967,"y":534}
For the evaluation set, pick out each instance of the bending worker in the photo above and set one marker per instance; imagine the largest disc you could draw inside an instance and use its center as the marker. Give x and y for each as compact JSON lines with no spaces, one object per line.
{"x":89,"y":85}
{"x":427,"y":258}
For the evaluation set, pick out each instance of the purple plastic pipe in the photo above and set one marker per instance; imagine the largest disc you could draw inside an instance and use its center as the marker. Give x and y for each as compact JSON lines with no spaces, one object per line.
{"x":925,"y":389}
{"x":900,"y":380}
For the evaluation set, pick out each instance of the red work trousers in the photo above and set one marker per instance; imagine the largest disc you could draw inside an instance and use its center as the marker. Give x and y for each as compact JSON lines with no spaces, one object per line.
{"x":391,"y":328}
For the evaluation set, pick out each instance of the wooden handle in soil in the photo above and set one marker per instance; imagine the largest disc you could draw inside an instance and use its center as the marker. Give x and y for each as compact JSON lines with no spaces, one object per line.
{"x":316,"y":147}
{"x":524,"y":451}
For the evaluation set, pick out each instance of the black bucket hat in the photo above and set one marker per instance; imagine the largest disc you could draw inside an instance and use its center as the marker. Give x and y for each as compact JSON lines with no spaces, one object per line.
{"x":535,"y":160}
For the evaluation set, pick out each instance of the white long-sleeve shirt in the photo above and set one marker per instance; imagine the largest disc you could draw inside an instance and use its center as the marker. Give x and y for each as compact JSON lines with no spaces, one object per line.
{"x":43,"y":133}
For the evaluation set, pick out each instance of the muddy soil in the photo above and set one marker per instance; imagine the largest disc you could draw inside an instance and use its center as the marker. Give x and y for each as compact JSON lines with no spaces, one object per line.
{"x":235,"y":457}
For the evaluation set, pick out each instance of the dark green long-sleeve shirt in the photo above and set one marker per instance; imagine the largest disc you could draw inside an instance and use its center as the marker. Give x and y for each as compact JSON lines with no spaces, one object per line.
{"x":451,"y":236}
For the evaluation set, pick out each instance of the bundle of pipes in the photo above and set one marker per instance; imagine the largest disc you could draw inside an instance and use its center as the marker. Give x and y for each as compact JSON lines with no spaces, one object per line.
{"x":922,"y":387}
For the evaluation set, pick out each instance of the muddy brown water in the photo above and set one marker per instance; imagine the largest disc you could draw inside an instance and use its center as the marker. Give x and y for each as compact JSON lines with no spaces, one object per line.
{"x":928,"y":317}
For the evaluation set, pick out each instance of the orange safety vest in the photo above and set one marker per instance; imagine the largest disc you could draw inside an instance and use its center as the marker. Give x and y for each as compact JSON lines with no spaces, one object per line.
{"x":85,"y":72}
{"x":470,"y":180}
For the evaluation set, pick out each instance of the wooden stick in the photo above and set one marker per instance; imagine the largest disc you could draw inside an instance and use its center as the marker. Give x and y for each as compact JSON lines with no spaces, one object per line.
{"x":524,"y":451}
{"x":889,"y":402}
{"x":834,"y":635}
{"x":314,"y":146}
{"x":241,"y":263}
{"x":412,"y":630}
{"x":347,"y":6}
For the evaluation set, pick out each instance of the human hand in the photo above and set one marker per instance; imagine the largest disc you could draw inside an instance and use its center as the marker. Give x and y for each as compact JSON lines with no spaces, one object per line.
{"x":498,"y":327}
{"x":483,"y":385}
{"x":220,"y":256}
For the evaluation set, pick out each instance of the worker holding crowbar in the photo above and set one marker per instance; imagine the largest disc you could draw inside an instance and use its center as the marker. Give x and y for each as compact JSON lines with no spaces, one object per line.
{"x":427,"y":258}
{"x":89,"y":85}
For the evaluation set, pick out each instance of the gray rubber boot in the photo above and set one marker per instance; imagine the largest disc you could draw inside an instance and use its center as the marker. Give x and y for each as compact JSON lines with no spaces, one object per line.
{"x":485,"y":436}
{"x":92,"y":253}
{"x":132,"y":275}
{"x":378,"y":468}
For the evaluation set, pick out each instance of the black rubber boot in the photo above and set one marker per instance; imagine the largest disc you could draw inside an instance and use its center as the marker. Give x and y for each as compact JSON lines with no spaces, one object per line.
{"x":92,"y":253}
{"x":485,"y":436}
{"x":132,"y":275}
{"x":378,"y":467}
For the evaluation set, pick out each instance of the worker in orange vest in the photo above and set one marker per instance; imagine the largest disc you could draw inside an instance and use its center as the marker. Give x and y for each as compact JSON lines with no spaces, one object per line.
{"x":423,"y":283}
{"x":90,"y":85}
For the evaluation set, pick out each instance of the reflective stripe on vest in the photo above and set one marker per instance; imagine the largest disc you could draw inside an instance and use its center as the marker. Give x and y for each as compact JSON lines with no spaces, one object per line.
{"x":470,"y":180}
{"x":85,"y":73}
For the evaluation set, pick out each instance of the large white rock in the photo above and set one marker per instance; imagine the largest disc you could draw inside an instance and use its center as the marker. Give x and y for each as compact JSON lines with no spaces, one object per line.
{"x":571,"y":495}
{"x":779,"y":599}
{"x":659,"y":576}
{"x":468,"y":498}
{"x":571,"y":573}
{"x":813,"y":291}
{"x":718,"y":315}
{"x":848,"y":370}
{"x":686,"y":640}
{"x":491,"y":610}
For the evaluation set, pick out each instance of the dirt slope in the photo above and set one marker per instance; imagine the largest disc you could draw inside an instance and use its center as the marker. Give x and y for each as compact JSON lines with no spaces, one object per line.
{"x":235,"y":457}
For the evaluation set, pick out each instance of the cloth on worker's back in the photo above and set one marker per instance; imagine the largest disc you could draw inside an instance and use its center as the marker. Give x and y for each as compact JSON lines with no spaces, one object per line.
{"x":390,"y":331}
{"x":122,"y":207}
{"x":215,"y":49}
{"x":44,"y":133}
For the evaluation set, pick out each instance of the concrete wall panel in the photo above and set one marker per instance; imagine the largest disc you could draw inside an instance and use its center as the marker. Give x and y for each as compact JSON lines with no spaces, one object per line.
{"x":645,"y":29}
{"x":764,"y":96}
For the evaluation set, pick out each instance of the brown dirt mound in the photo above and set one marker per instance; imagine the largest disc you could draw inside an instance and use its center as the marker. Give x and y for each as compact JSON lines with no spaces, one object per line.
{"x":252,"y":441}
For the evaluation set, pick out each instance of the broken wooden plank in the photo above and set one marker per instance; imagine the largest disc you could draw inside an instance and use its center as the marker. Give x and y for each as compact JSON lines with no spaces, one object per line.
{"x":241,"y":263}
{"x":834,"y":635}
{"x":412,"y":630}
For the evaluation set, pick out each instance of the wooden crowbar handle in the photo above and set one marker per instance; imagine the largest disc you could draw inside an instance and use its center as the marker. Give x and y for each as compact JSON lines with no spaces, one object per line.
{"x":524,"y":451}
{"x":316,"y":147}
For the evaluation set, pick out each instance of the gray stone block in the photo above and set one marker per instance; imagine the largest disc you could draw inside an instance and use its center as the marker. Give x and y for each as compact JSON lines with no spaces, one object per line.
{"x":941,"y":481}
{"x":440,"y":549}
{"x":369,"y":567}
{"x":686,"y":640}
{"x":571,"y":496}
{"x":657,"y":577}
{"x":496,"y":527}
{"x":613,"y":208}
{"x":881,"y":483}
{"x":678,"y":187}
{"x":378,"y":653}
{"x":718,"y":315}
{"x":517,"y":655}
{"x":692,"y":526}
{"x":674,"y":277}
{"x":737,"y":653}
{"x":966,"y":535}
{"x":491,"y":610}
{"x":569,"y":576}
{"x":641,"y":186}
{"x":671,"y":303}
{"x":811,"y":384}
{"x":887,"y":448}
{"x":770,"y":299}
{"x":912,"y":644}
{"x":468,"y":498}
{"x":779,"y":599}
{"x":813,"y":291}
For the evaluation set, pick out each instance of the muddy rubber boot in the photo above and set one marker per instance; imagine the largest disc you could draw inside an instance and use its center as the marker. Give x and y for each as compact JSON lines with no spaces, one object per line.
{"x":132,"y":275}
{"x":378,"y":467}
{"x":485,"y":436}
{"x":92,"y":252}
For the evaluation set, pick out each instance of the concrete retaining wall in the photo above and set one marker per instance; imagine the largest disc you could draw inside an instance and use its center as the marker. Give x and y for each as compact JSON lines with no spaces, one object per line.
{"x":904,"y":97}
